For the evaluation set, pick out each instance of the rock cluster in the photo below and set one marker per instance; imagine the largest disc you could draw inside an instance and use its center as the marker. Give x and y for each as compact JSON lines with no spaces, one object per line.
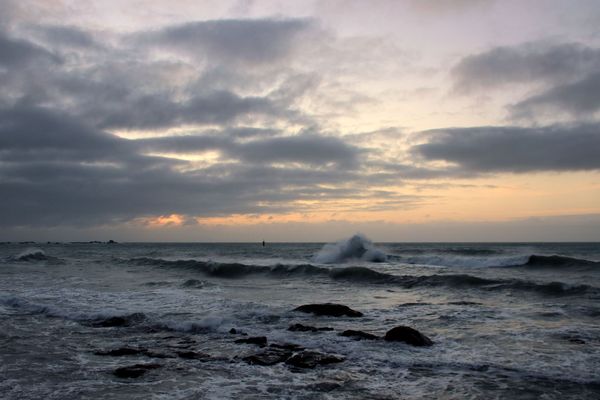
{"x":293,"y":355}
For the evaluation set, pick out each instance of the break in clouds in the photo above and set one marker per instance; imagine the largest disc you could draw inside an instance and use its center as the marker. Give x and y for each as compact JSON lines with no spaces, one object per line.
{"x":209,"y":118}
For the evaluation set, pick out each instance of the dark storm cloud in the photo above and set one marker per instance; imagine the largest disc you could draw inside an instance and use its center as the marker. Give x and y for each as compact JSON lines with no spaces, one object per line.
{"x":159,"y":111}
{"x":250,"y":41}
{"x":514,"y":149}
{"x":527,"y":63}
{"x":304,"y":148}
{"x":580,"y":98}
{"x":31,"y":133}
{"x":18,"y":53}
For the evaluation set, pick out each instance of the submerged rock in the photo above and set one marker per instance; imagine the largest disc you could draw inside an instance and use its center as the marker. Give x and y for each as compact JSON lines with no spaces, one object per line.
{"x":359,"y":335}
{"x":310,"y":359}
{"x":123,"y":321}
{"x":122,"y":351}
{"x":271,"y":356}
{"x":134,"y":371}
{"x":407,"y":335}
{"x":153,"y":354}
{"x":193,"y":355}
{"x":323,"y":386}
{"x":258,"y":340}
{"x":307,"y":328}
{"x":330,"y":309}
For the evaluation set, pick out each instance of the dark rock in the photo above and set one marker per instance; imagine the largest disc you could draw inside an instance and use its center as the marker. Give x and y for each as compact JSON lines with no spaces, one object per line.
{"x":307,"y":328}
{"x":331,"y":309}
{"x":157,"y":355}
{"x":324,"y":386}
{"x":310,"y":359}
{"x":358,"y":335}
{"x":234,"y":331}
{"x":193,"y":355}
{"x":259,"y":340}
{"x":111,"y":322}
{"x":135,"y":371}
{"x":287,"y":346}
{"x":577,"y":340}
{"x":407,"y":335}
{"x":123,"y":351}
{"x":271,"y":356}
{"x":111,"y":242}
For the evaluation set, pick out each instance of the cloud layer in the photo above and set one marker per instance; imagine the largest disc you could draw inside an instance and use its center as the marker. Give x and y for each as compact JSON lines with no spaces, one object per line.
{"x":514,"y":149}
{"x":226,"y":117}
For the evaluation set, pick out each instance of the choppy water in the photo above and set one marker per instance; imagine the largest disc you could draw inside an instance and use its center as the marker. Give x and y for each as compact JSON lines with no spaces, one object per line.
{"x":514,"y":321}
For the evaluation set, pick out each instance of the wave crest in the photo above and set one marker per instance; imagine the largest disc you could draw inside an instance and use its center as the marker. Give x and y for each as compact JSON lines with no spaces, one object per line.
{"x":31,"y":254}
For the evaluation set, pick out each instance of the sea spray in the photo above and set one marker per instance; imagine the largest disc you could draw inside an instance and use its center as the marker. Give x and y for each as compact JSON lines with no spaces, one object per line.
{"x":358,"y":247}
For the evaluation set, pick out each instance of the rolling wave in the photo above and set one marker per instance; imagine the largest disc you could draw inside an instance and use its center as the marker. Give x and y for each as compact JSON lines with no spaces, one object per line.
{"x":356,"y":274}
{"x":536,"y":261}
{"x":477,"y":261}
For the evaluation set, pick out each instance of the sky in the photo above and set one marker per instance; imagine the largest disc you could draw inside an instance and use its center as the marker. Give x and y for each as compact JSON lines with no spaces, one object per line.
{"x":414,"y":120}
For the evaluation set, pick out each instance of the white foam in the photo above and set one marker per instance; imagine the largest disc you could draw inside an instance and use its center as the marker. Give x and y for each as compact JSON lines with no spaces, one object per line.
{"x":358,"y":247}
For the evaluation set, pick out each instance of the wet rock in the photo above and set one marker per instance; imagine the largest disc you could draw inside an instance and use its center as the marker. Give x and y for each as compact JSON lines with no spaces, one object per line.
{"x":122,"y":351}
{"x":234,"y":331}
{"x":307,"y":328}
{"x":123,"y":321}
{"x":271,"y":356}
{"x":330,"y":309}
{"x":407,"y":335}
{"x":358,"y":335}
{"x":134,"y":371}
{"x":577,"y":340}
{"x":324,"y":386}
{"x":153,"y":354}
{"x":258,"y":340}
{"x":310,"y":359}
{"x":193,"y":355}
{"x":287,"y":346}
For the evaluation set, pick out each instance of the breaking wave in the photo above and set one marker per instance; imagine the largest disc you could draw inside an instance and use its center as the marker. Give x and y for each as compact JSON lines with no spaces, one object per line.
{"x":104,"y":318}
{"x":32,"y":255}
{"x":358,"y":247}
{"x":115,"y":319}
{"x":357,"y":274}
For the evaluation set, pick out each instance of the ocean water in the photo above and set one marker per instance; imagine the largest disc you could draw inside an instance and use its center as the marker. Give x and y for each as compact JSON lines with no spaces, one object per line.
{"x":508,"y":321}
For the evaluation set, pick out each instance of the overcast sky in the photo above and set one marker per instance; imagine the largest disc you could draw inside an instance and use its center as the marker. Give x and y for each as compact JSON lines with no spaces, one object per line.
{"x":409,"y":120}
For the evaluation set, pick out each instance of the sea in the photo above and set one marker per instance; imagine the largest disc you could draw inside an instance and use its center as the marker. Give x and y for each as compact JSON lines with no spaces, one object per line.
{"x":507,"y":320}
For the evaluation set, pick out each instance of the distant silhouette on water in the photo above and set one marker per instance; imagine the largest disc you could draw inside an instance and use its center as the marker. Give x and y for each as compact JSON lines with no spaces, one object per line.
{"x":263,"y":243}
